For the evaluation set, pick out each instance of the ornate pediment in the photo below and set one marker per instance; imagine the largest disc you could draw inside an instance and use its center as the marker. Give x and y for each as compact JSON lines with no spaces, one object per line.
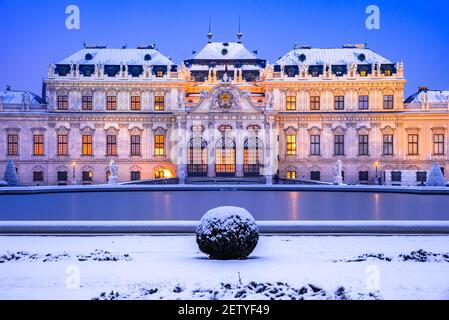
{"x":224,"y":100}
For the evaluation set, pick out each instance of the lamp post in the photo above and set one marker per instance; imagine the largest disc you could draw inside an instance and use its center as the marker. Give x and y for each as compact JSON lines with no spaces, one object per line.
{"x":73,"y":172}
{"x":377,"y":164}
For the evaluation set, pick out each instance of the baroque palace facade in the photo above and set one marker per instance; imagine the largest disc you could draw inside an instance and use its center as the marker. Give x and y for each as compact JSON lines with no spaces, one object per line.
{"x":222,"y":113}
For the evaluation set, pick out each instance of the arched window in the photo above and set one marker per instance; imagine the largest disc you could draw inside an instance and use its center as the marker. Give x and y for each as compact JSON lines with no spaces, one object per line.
{"x":198,"y":128}
{"x":225,"y":157}
{"x":253,"y":157}
{"x":197,"y":165}
{"x":225,"y":128}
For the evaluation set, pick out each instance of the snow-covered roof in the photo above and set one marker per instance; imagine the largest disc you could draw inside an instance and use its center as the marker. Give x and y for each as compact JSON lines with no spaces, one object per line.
{"x":332,"y":56}
{"x":202,"y":67}
{"x":117,"y":56}
{"x":19,"y":97}
{"x":224,"y":51}
{"x":433,"y":96}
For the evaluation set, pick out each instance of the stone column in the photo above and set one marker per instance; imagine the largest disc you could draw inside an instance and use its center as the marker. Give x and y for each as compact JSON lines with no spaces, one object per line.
{"x":211,"y":151}
{"x":181,"y":146}
{"x":303,"y":141}
{"x":99,"y":141}
{"x":146,"y":141}
{"x":282,"y":145}
{"x":123,"y":141}
{"x":239,"y":142}
{"x":74,"y":141}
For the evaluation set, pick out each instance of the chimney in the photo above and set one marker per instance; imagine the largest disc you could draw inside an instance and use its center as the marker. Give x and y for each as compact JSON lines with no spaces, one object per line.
{"x":8,"y":88}
{"x":423,"y":88}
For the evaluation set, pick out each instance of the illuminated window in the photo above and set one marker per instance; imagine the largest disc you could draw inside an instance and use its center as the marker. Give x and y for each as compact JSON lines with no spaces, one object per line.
{"x":63,"y":148}
{"x":159,"y":73}
{"x":291,"y":103}
{"x":135,"y":103}
{"x":315,"y":103}
{"x":111,"y":145}
{"x":13,"y":144}
{"x":291,"y":144}
{"x":38,"y":145}
{"x":339,"y":102}
{"x":438,"y":144}
{"x":387,"y":72}
{"x":413,"y":145}
{"x":159,"y":174}
{"x":87,"y":145}
{"x":63,"y":102}
{"x":339,"y":145}
{"x":363,"y":102}
{"x":388,"y":102}
{"x":159,"y":103}
{"x":111,"y":102}
{"x":135,"y":145}
{"x":291,"y":174}
{"x":159,"y":145}
{"x":87,"y":102}
{"x":388,"y":145}
{"x":363,"y":73}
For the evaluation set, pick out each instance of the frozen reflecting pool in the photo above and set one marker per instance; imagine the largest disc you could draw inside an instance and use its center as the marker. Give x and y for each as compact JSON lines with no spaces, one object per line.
{"x":191,"y":205}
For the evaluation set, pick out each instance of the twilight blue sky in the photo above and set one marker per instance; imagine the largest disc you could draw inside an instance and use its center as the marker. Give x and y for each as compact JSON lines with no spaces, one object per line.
{"x":33,"y":32}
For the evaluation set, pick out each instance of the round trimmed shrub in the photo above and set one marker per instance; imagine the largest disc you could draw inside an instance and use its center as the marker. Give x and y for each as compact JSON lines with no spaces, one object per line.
{"x":227,"y":233}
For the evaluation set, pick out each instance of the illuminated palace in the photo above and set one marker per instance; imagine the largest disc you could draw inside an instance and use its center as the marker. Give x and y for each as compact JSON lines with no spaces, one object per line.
{"x":223,"y":113}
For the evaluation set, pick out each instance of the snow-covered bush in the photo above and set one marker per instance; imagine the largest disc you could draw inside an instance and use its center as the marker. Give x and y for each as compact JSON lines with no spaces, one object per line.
{"x":227,"y":233}
{"x":435,"y":177}
{"x":10,"y":176}
{"x":3,"y":183}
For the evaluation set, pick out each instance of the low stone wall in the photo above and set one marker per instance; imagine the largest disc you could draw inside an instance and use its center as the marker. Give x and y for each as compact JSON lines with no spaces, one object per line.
{"x":265,"y":227}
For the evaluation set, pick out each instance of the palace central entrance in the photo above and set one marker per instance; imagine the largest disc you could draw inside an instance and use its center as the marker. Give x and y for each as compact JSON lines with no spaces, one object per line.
{"x":225,"y":158}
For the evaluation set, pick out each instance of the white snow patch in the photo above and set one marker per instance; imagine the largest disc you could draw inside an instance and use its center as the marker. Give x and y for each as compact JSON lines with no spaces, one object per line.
{"x":165,"y":262}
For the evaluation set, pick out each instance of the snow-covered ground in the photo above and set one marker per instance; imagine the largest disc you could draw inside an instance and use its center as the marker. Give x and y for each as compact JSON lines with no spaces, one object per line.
{"x":171,"y":267}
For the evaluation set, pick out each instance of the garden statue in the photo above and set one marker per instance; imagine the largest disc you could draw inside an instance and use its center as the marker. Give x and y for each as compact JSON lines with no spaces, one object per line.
{"x":113,"y":169}
{"x":338,"y":172}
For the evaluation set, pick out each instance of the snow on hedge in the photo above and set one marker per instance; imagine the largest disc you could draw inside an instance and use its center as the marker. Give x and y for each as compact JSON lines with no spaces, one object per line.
{"x":435,"y":177}
{"x":227,"y":233}
{"x":10,"y":176}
